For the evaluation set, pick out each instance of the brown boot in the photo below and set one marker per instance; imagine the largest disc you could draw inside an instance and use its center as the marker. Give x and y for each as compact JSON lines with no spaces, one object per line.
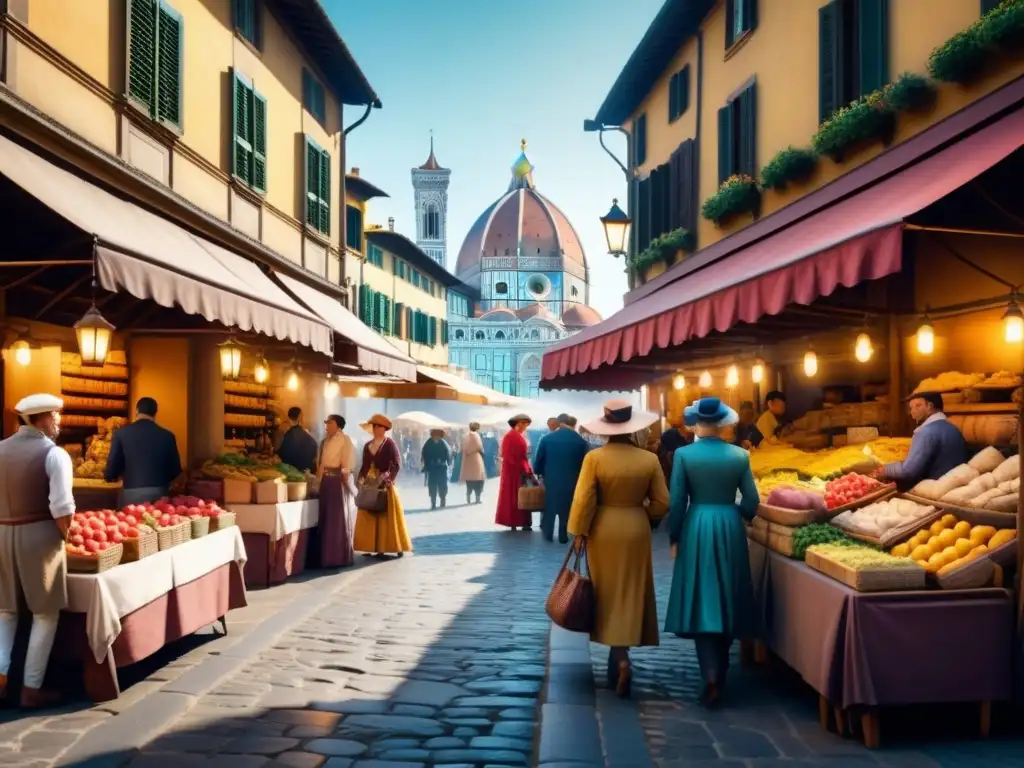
{"x":38,"y":698}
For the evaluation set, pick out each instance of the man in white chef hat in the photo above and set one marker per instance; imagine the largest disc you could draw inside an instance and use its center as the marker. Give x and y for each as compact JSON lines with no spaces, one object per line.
{"x":36,"y":508}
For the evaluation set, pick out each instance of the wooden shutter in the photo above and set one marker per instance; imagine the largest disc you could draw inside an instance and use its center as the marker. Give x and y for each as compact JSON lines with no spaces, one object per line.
{"x":674,"y":162}
{"x":313,"y":155}
{"x":142,"y":16}
{"x":749,"y":15}
{"x":170,"y":63}
{"x":324,"y":193}
{"x":683,"y":98}
{"x":643,"y":215}
{"x":683,"y":199}
{"x":655,"y":204}
{"x":726,"y":145}
{"x":673,"y":97}
{"x":432,"y":327}
{"x":399,"y":315}
{"x":640,"y":140}
{"x":241,"y":129}
{"x":873,"y":42}
{"x":444,"y":331}
{"x":830,"y":75}
{"x":259,"y":142}
{"x":362,"y":302}
{"x":747,"y":103}
{"x":730,"y":22}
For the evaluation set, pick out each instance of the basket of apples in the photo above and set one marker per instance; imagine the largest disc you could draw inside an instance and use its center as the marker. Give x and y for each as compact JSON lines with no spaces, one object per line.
{"x":206,"y":515}
{"x":139,"y":539}
{"x":852,"y":491}
{"x":93,"y":543}
{"x":171,"y":528}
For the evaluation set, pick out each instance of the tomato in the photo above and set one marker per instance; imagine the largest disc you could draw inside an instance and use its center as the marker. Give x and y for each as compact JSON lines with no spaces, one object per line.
{"x":92,"y":546}
{"x":131,"y":533}
{"x":116,"y":537}
{"x":77,"y":540}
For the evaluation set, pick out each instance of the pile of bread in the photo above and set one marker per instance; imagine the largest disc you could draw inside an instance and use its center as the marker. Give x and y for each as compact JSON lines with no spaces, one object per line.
{"x":988,"y":481}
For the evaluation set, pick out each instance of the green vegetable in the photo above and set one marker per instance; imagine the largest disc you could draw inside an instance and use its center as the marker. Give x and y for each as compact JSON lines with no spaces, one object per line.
{"x":818,"y":533}
{"x":234,"y":460}
{"x":860,"y":557}
{"x":291,"y":474}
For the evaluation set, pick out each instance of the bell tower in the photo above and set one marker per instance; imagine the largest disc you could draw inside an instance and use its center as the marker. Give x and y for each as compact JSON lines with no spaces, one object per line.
{"x":430,"y":198}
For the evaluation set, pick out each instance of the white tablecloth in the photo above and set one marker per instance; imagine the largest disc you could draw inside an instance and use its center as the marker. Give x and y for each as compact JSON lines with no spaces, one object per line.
{"x":277,"y":520}
{"x":104,"y":598}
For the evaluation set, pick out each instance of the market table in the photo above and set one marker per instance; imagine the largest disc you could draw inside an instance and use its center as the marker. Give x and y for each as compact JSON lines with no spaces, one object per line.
{"x":868,"y":650}
{"x":123,"y":615}
{"x":276,"y":539}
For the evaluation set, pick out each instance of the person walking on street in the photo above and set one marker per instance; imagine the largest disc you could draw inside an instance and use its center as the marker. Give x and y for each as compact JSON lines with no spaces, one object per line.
{"x":473,"y":472}
{"x":559,"y":461}
{"x":381,"y":533}
{"x":297,"y":447}
{"x":515,"y":467}
{"x":36,"y":515}
{"x":332,"y":538}
{"x":436,"y":457}
{"x":620,"y":495}
{"x":144,"y":456}
{"x":712,"y":597}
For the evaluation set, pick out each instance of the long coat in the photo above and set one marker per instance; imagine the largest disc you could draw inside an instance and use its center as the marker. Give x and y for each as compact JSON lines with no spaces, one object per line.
{"x":514,"y":465}
{"x":711,"y":585}
{"x":559,"y":460}
{"x":608,"y":508}
{"x":472,"y":469}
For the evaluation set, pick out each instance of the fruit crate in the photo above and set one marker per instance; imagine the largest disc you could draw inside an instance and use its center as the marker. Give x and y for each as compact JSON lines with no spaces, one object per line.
{"x":868,"y":580}
{"x":174,"y":535}
{"x":879,"y":494}
{"x":145,"y":545}
{"x":99,"y":563}
{"x":200,"y":527}
{"x":222,"y":521}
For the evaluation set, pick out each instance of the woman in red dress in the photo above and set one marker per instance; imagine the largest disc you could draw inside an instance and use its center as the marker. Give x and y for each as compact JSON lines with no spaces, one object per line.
{"x":514,"y":465}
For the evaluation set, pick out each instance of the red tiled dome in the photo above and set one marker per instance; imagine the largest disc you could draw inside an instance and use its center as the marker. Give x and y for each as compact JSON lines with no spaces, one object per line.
{"x":580,"y":316}
{"x":535,"y":310}
{"x":498,"y":315}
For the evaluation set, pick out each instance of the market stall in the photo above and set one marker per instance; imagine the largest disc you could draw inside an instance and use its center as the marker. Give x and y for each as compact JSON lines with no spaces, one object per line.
{"x":277,"y":538}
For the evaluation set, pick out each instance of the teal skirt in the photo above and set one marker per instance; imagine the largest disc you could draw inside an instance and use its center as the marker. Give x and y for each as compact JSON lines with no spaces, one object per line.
{"x":711,"y":586}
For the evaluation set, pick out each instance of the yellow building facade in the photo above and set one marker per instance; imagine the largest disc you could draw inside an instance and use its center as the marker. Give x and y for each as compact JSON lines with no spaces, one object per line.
{"x":752,"y":78}
{"x":225,"y":114}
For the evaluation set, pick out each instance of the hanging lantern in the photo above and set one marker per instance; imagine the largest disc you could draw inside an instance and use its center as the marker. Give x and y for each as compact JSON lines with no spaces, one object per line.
{"x":616,"y":229}
{"x":863,"y":349}
{"x":757,"y":373}
{"x":704,"y":382}
{"x":679,"y":382}
{"x":292,"y":382}
{"x":810,"y":363}
{"x":331,"y":388}
{"x":1013,"y":324}
{"x":93,"y":332}
{"x":732,"y":377}
{"x":22,"y":352}
{"x":364,"y":392}
{"x":230,"y":359}
{"x":926,"y":337}
{"x":261,"y":370}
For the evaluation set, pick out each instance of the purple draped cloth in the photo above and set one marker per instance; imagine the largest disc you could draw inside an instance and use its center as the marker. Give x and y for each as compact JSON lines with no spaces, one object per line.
{"x":337,"y":520}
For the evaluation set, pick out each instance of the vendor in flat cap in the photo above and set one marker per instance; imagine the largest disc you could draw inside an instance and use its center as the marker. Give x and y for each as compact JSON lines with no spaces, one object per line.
{"x":36,"y":508}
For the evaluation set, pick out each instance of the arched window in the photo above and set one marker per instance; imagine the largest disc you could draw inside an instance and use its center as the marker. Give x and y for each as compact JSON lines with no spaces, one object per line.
{"x":460,"y":335}
{"x":499,"y":336}
{"x":479,"y":336}
{"x":431,"y":223}
{"x":534,"y":334}
{"x":574,"y":291}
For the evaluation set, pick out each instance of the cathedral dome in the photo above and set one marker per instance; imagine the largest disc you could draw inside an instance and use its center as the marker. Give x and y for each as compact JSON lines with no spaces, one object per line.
{"x":499,"y":315}
{"x":580,"y":316}
{"x":521,"y":223}
{"x":537,"y":310}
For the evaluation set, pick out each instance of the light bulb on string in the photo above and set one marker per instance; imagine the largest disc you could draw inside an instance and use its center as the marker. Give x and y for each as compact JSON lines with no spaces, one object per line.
{"x":732,"y":377}
{"x":22,"y":352}
{"x":925,"y":337}
{"x":679,"y":382}
{"x":810,"y":363}
{"x":331,"y":388}
{"x":705,"y":380}
{"x":364,"y":393}
{"x":863,"y":349}
{"x":261,"y":370}
{"x":292,"y":383}
{"x":757,"y":373}
{"x":1013,"y":324}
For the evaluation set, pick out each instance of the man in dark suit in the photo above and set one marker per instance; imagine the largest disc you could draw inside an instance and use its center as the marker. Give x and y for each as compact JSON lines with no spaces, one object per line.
{"x":144,"y":456}
{"x":298,"y":447}
{"x":559,"y":460}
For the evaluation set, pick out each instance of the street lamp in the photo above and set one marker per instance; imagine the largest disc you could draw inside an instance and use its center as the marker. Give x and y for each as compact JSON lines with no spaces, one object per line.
{"x":616,"y":225}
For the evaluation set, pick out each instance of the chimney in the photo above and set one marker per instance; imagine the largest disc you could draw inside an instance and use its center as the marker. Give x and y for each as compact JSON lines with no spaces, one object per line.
{"x":391,"y":223}
{"x":354,"y":172}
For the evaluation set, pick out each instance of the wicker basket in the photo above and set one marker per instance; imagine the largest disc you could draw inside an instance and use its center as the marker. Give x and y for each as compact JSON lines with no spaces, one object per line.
{"x":104,"y":561}
{"x":972,"y":515}
{"x":976,"y":574}
{"x":174,"y":535}
{"x":298,"y":491}
{"x":789,"y":517}
{"x":879,"y":494}
{"x":222,"y":521}
{"x":135,"y":549}
{"x":896,"y":535}
{"x":200,"y":527}
{"x":880,"y":580}
{"x":531,"y":498}
{"x":780,"y":539}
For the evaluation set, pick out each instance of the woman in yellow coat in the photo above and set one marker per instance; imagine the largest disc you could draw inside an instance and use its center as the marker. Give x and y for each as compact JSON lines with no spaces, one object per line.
{"x":381,"y":533}
{"x":620,"y":494}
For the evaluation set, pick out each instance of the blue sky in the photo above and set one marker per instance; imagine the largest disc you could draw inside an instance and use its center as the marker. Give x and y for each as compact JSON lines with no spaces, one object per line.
{"x":483,"y":75}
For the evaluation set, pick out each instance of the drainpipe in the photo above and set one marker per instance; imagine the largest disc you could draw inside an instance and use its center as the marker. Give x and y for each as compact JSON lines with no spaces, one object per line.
{"x":697,"y":132}
{"x":344,"y":194}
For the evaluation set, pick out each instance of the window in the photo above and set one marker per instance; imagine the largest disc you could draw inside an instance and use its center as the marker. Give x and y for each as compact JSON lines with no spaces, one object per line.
{"x":501,"y":288}
{"x":853,"y":52}
{"x":354,"y":228}
{"x":248,"y":23}
{"x":374,"y":255}
{"x":444,"y":331}
{"x":314,"y":98}
{"x":640,"y":140}
{"x":574,"y":291}
{"x":416,"y":278}
{"x":740,"y":19}
{"x":499,"y":336}
{"x":535,"y":334}
{"x":318,"y":188}
{"x":460,"y":335}
{"x":431,"y":223}
{"x":479,"y":336}
{"x":737,"y":135}
{"x":155,"y":60}
{"x":397,"y":328}
{"x":249,"y":134}
{"x":432,"y":331}
{"x":678,"y":93}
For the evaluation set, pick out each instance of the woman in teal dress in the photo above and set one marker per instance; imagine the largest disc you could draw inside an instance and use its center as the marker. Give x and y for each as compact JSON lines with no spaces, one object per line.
{"x":712,"y":598}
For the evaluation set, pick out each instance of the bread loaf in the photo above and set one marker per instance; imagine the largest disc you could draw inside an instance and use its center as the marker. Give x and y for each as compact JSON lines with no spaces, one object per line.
{"x":986,"y":460}
{"x":1008,"y":470}
{"x":957,"y":477}
{"x":1004,"y":503}
{"x":983,"y":500}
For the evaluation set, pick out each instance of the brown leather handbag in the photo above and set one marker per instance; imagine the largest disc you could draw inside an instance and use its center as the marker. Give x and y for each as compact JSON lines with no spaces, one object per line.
{"x":571,"y":603}
{"x":372,"y":496}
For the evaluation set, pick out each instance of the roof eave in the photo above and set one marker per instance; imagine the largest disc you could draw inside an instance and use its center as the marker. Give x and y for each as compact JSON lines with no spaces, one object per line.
{"x":362,"y":188}
{"x":404,"y":248}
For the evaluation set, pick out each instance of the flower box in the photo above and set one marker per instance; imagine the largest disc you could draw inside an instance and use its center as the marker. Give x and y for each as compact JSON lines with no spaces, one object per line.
{"x":738,"y":194}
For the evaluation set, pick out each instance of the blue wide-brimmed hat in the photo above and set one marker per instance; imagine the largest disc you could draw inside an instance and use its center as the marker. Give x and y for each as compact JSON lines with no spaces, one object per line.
{"x":709,"y":410}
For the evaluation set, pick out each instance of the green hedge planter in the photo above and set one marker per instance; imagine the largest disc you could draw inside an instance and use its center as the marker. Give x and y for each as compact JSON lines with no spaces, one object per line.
{"x":738,"y":194}
{"x":910,"y":93}
{"x":1002,"y":28}
{"x":852,"y":127}
{"x":790,"y":166}
{"x":662,"y":249}
{"x":961,"y":59}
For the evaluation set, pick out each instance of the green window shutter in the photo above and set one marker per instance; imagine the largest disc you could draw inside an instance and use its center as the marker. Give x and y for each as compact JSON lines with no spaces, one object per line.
{"x":829,"y":62}
{"x":313,"y":155}
{"x":259,"y":142}
{"x":726,"y":144}
{"x":410,"y":328}
{"x":142,"y":47}
{"x":640,"y":140}
{"x":747,"y":102}
{"x":170,"y":65}
{"x":730,"y":23}
{"x":749,"y":15}
{"x":247,"y":20}
{"x":398,"y":316}
{"x":684,"y":89}
{"x":673,"y":94}
{"x":241,"y":129}
{"x":873,"y":39}
{"x":325,"y":192}
{"x":362,"y":303}
{"x":433,"y":331}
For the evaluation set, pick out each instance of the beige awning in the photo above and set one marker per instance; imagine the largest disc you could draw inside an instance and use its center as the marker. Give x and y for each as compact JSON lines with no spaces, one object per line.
{"x":467,"y":387}
{"x":154,"y":259}
{"x":374,"y":353}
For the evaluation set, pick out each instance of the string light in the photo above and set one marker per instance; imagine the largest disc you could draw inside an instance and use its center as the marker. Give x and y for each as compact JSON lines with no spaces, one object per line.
{"x":331,"y":388}
{"x":732,"y":377}
{"x":757,"y":373}
{"x":22,"y":352}
{"x":863,"y":349}
{"x":679,"y":382}
{"x":926,"y":337}
{"x":364,"y":392}
{"x":810,"y":363}
{"x":1013,"y":324}
{"x":704,"y":382}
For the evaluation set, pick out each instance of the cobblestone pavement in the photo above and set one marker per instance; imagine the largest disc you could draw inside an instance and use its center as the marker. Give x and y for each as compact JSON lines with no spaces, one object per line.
{"x":770,"y":717}
{"x":433,"y":659}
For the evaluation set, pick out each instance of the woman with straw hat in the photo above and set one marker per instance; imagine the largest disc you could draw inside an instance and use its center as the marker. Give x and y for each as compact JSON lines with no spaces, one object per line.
{"x":712,"y":597}
{"x":381,"y":533}
{"x":515,"y":467}
{"x":620,"y":494}
{"x":473,"y":472}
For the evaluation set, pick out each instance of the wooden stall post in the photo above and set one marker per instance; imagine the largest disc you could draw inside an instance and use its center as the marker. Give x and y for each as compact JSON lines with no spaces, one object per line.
{"x":895,"y":375}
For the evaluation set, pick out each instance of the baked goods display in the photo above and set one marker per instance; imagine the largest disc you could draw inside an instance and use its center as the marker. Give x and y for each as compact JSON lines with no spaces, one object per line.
{"x":950,"y":381}
{"x":988,"y":481}
{"x":878,"y":519}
